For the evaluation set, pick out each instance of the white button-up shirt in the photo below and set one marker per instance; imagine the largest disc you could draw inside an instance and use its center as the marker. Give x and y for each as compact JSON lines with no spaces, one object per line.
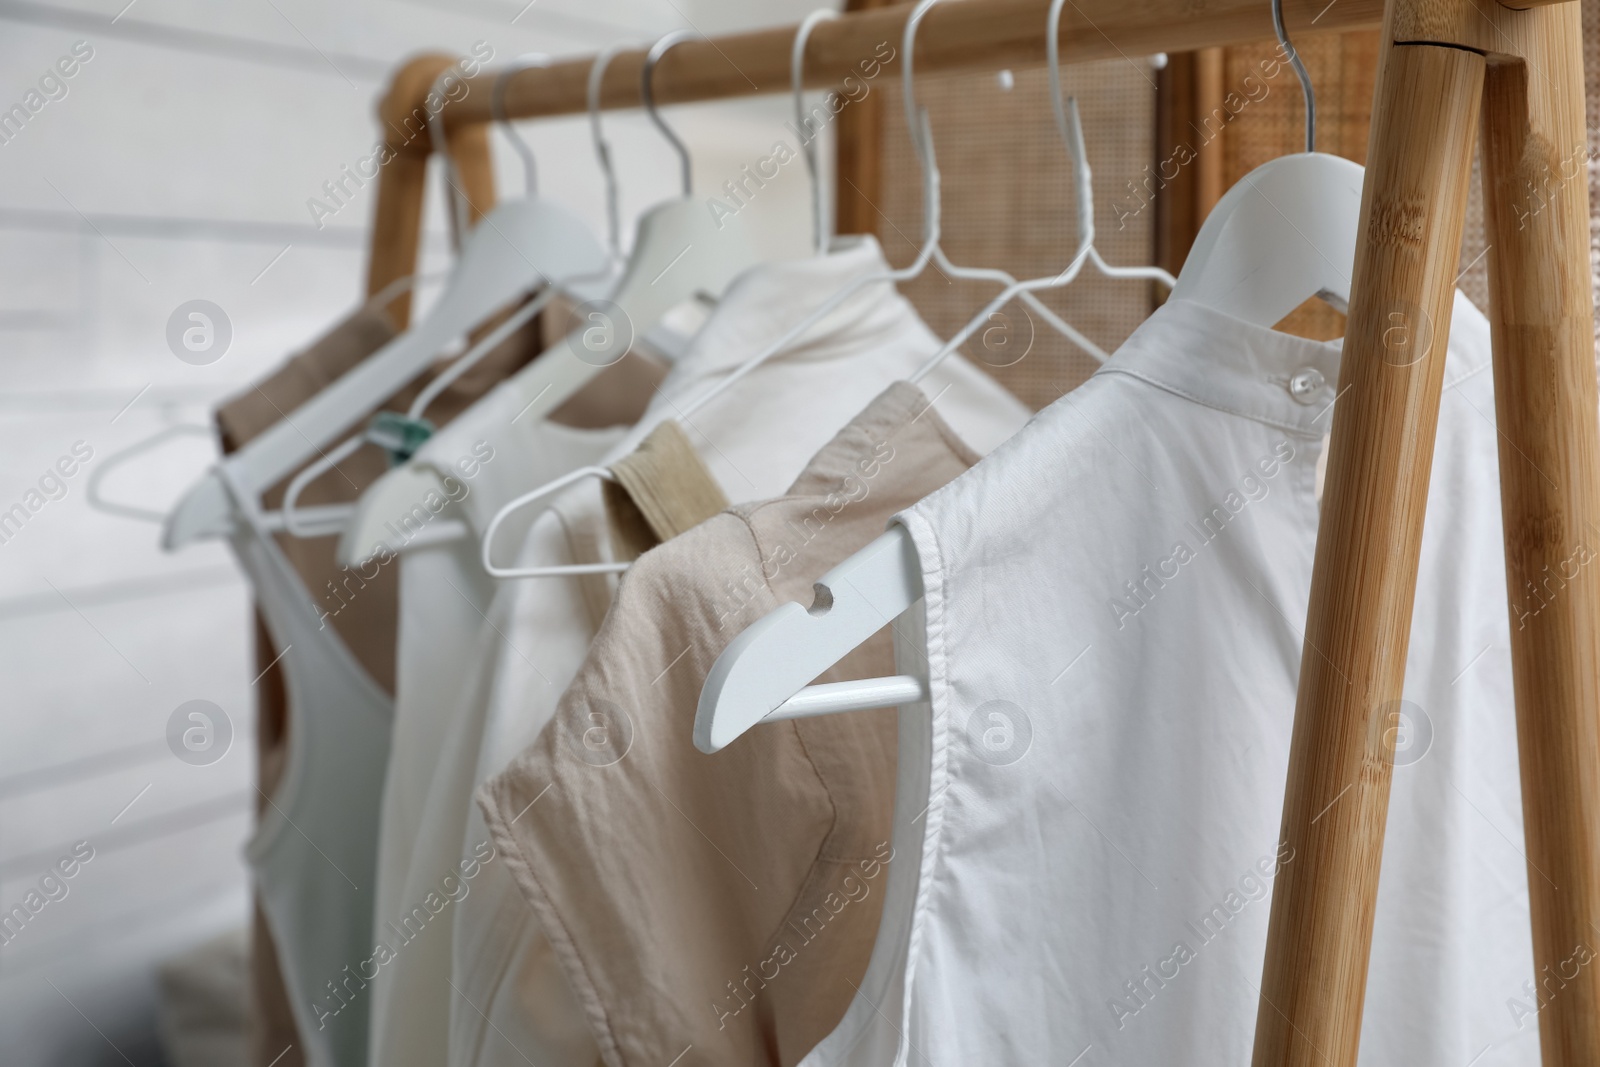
{"x":1115,"y":609}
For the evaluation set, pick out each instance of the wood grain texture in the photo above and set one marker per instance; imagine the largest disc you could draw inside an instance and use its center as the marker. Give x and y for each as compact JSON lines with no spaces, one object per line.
{"x":1485,"y":26}
{"x":1535,"y":155}
{"x":1359,"y":619}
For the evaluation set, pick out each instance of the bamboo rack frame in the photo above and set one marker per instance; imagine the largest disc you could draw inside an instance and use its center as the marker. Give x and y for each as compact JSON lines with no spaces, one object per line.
{"x":1449,"y":68}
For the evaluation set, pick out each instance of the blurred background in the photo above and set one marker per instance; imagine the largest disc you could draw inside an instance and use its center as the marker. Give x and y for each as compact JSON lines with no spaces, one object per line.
{"x":180,"y":162}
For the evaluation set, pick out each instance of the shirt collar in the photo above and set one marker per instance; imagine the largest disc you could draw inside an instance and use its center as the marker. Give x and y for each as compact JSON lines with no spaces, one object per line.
{"x":1226,"y":363}
{"x":767,"y":301}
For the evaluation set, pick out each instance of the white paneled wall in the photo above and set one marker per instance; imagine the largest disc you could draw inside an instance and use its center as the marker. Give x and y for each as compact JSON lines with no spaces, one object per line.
{"x":177,"y":166}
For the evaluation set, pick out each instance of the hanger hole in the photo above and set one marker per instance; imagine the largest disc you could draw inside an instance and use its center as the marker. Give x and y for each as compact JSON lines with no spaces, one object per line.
{"x":823,"y":602}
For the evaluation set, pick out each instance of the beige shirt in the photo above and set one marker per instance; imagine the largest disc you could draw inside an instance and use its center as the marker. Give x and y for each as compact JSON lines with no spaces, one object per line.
{"x":727,"y":902}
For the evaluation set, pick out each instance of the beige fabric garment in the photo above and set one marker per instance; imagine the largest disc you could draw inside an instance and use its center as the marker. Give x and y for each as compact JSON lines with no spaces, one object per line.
{"x":363,"y":613}
{"x":365,"y":621}
{"x":726,"y":902}
{"x":662,"y":488}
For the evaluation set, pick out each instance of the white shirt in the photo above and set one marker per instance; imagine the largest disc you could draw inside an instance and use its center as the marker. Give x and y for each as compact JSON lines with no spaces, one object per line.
{"x":1115,"y":603}
{"x":484,"y":459}
{"x":313,"y":853}
{"x":755,"y":439}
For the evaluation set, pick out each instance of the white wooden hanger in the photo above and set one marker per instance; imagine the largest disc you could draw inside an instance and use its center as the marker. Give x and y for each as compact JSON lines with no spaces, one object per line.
{"x":930,"y":252}
{"x":1305,"y":207}
{"x":300,"y":522}
{"x":762,"y":674}
{"x":679,"y":251}
{"x":295,"y":520}
{"x":515,"y":248}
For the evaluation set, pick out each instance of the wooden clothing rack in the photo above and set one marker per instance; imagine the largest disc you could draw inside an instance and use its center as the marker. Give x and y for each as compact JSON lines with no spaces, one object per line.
{"x":957,"y":36}
{"x":1449,"y":70}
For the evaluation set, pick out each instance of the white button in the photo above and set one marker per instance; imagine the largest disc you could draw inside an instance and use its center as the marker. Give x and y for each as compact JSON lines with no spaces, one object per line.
{"x":1305,"y":384}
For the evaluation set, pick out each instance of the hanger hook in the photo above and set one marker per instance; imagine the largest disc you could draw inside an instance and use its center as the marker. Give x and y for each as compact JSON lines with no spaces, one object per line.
{"x":1070,"y":127}
{"x":808,"y":139}
{"x":919,"y":125}
{"x":455,"y":199}
{"x":1306,"y":90}
{"x":497,"y":111}
{"x":648,"y":95}
{"x":602,"y":147}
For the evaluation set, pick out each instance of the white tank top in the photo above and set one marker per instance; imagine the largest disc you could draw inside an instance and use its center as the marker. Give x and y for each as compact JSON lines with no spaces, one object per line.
{"x":314,"y":852}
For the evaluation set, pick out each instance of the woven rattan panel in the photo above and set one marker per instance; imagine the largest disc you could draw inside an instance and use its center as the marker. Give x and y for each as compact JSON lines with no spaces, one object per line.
{"x":1343,"y":70}
{"x":1008,"y":198}
{"x":1008,"y":203}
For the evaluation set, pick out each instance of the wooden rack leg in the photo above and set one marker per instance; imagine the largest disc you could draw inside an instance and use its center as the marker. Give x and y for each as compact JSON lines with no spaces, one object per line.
{"x":1536,"y":190}
{"x":402,"y":182}
{"x":1359,"y":619}
{"x":397,"y":228}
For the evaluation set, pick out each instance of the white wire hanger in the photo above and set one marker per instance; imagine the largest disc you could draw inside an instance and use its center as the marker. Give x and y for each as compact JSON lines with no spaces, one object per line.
{"x":917,"y":118}
{"x":272,"y":520}
{"x":820,"y":231}
{"x":1286,"y":232}
{"x":413,"y":481}
{"x":763,"y":673}
{"x":400,"y":436}
{"x":1070,"y":126}
{"x":514,"y":249}
{"x":602,"y":147}
{"x":679,"y":251}
{"x":921,"y":129}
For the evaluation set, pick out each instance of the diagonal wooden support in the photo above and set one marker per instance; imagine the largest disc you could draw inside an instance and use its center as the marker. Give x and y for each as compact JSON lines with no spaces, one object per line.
{"x":1443,"y":58}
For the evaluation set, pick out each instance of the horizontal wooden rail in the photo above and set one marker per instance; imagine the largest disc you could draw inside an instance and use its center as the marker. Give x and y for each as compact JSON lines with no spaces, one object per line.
{"x":958,"y":36}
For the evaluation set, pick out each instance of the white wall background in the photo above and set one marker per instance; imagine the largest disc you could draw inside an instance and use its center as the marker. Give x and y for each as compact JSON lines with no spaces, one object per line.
{"x":178,"y":167}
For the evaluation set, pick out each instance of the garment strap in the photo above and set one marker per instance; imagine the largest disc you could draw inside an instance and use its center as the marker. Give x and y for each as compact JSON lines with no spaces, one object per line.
{"x":291,"y":614}
{"x":662,"y":489}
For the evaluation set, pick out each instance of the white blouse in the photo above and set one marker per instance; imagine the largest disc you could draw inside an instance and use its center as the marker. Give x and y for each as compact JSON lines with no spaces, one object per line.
{"x":1115,"y":609}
